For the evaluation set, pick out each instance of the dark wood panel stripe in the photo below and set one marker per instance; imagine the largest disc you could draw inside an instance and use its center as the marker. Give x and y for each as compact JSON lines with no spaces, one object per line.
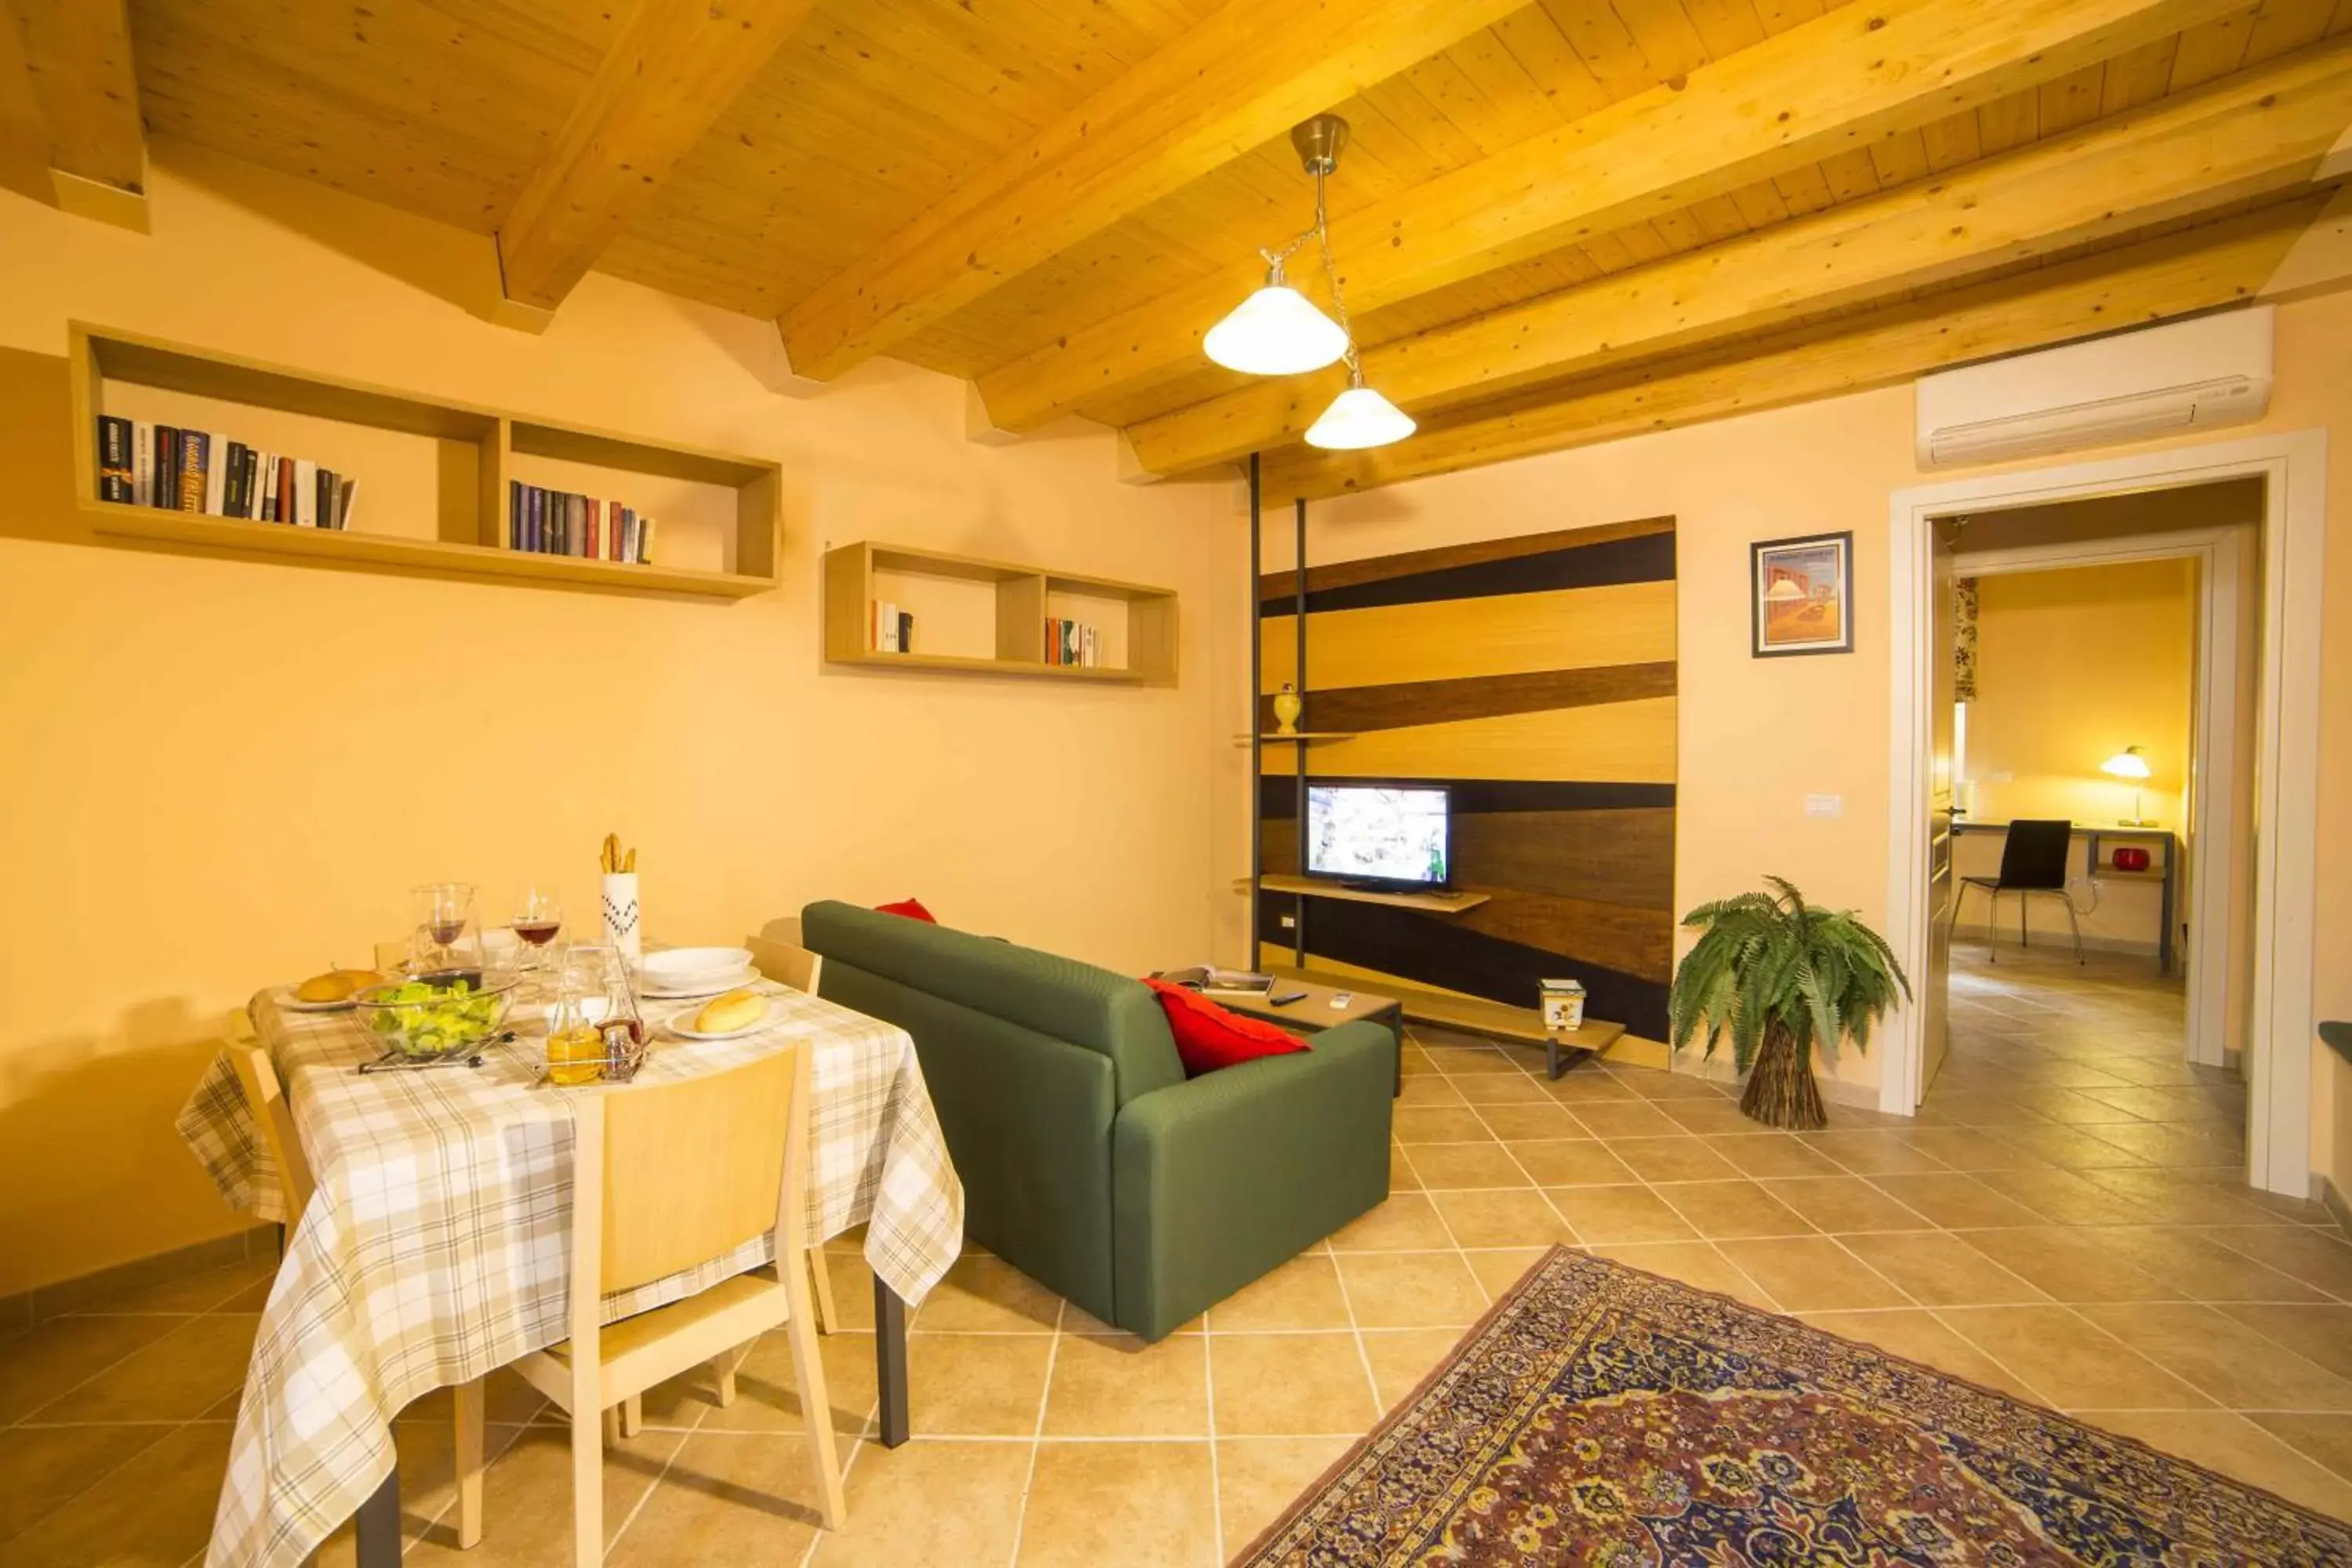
{"x":1606,"y":856}
{"x":1282,"y":586}
{"x":1440,"y":950}
{"x":1636,"y":941}
{"x":1277,"y":793}
{"x":1402,"y":704}
{"x":1646,"y":558}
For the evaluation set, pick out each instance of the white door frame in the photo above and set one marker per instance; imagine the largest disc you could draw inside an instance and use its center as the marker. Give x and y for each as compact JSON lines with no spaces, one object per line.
{"x":2214,"y":810}
{"x":2294,"y":467}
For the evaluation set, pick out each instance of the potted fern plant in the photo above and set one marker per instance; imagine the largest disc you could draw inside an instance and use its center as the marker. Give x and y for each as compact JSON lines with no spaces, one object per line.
{"x":1781,"y":975}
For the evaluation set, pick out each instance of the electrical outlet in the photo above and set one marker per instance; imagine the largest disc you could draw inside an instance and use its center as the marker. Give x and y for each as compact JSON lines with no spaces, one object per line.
{"x":1825,"y":805}
{"x":1290,"y":923}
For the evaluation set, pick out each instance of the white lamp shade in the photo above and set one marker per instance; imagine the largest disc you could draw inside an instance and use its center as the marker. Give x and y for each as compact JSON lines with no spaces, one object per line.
{"x":1276,"y":331}
{"x":2126,"y":764}
{"x":1360,"y":418}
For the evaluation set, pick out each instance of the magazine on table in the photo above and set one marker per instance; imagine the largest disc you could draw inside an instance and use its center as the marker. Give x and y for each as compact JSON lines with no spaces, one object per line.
{"x":1209,"y":978}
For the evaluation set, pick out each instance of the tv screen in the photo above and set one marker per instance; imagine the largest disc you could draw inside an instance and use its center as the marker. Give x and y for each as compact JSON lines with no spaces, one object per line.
{"x":1396,"y":834}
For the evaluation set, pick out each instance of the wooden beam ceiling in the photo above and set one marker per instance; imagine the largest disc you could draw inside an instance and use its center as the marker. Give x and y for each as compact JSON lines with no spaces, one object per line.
{"x":1240,"y":78}
{"x":2253,"y":133}
{"x":76,"y":62}
{"x":2216,"y":265}
{"x":676,"y":67}
{"x":1841,"y":84}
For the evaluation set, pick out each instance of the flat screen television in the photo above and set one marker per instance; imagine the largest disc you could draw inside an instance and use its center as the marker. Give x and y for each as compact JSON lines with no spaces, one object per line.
{"x":1380,"y":836}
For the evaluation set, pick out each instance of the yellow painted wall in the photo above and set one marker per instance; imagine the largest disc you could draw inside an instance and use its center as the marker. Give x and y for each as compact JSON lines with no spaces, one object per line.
{"x":212,"y":766}
{"x":1756,"y":736}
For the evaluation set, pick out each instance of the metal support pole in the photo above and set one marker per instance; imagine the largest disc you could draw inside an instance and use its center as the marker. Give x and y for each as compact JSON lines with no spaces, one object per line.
{"x":1256,"y":803}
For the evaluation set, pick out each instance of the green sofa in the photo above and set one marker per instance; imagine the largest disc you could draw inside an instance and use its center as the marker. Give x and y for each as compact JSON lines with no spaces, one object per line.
{"x":1089,"y":1161}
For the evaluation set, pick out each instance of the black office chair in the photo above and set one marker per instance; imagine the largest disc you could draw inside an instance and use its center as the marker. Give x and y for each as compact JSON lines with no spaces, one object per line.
{"x":2033,"y":861}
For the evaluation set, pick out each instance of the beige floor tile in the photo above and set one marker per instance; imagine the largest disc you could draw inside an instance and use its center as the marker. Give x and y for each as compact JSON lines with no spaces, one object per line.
{"x":1773,"y":1154}
{"x":929,"y":1501}
{"x":2070,"y":1362}
{"x":730,"y":1500}
{"x":1470,"y":1061}
{"x":1258,"y":1478}
{"x":1105,"y":1387}
{"x":1694,"y":1263}
{"x":1303,"y":1293}
{"x":156,"y":1508}
{"x":1937,"y":1269}
{"x":1289,"y":1385}
{"x":1620,"y":1213}
{"x":1514,"y":1217}
{"x":1969,"y":1149}
{"x":1499,"y":1269}
{"x":972,"y":1385}
{"x":1515,"y":1124}
{"x":1406,"y":1222}
{"x":1713,"y":1116}
{"x":1843,"y":1204}
{"x":428,"y":1485}
{"x":1956,"y":1202}
{"x":984,"y":1295}
{"x":42,"y":1469}
{"x":1919,"y":1335}
{"x":1402,"y":1177}
{"x":42,"y":1363}
{"x":1500,"y":1089}
{"x":853,"y":1286}
{"x":1740,"y":1207}
{"x":2072,"y":1148}
{"x":527,"y":1498}
{"x":1428,"y":1090}
{"x":2224,"y":1441}
{"x":1465,"y":1165}
{"x":1678,"y":1158}
{"x":2064,"y":1197}
{"x":1570,"y":1162}
{"x":767,"y":1396}
{"x":197,"y":1290}
{"x":179,"y":1377}
{"x":1153,"y":1505}
{"x":2069,"y":1265}
{"x":2323,"y":1333}
{"x":1870,"y":1153}
{"x":2326,"y":1438}
{"x":2225,"y":1359}
{"x":1401,"y":1358}
{"x":2314,"y":1256}
{"x":1586,"y":1086}
{"x":1631,"y":1119}
{"x":1452,"y":1124}
{"x":2199,"y":1267}
{"x":1812,"y":1274}
{"x":1412,"y":1289}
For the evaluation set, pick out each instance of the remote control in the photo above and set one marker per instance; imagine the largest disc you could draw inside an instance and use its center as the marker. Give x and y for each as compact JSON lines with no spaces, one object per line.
{"x":1342,"y":1000}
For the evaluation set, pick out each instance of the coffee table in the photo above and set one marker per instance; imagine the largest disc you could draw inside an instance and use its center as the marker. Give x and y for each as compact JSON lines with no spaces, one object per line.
{"x":1313,"y":1013}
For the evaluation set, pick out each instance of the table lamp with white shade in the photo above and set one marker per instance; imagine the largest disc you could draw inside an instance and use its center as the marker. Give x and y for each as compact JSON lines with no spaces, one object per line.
{"x":2129,"y":763}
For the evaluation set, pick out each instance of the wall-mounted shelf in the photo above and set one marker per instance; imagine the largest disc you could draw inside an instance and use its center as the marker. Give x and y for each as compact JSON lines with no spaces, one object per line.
{"x":476,"y":458}
{"x":1299,"y":737}
{"x":1435,"y":903}
{"x":1024,"y":597}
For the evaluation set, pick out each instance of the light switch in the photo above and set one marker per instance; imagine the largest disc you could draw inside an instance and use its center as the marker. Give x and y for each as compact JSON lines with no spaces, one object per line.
{"x":1825,"y":805}
{"x":1289,"y":922}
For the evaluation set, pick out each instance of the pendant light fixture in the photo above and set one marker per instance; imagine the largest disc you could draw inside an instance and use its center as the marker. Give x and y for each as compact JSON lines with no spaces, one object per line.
{"x":1277,"y":331}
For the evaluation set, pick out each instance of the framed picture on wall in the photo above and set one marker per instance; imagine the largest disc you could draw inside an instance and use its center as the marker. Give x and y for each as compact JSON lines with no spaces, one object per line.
{"x":1803,"y":592}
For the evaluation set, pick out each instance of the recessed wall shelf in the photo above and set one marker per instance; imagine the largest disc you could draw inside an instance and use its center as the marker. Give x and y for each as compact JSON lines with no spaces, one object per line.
{"x":1024,"y":597}
{"x":1435,"y":903}
{"x":1302,"y":737}
{"x":469,"y":529}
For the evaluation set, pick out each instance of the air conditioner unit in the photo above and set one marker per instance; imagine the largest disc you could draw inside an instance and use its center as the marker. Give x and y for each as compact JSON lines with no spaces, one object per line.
{"x":2135,"y":386}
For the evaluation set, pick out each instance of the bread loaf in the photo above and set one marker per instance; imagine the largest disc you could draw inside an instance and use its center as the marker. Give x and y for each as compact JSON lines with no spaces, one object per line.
{"x":725,"y":1014}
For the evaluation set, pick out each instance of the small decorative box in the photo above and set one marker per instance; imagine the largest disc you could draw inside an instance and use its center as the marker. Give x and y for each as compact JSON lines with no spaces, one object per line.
{"x":1563,"y":1006}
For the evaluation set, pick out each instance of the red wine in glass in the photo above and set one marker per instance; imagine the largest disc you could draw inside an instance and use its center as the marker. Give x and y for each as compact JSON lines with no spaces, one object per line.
{"x":445,"y":931}
{"x":538,"y":932}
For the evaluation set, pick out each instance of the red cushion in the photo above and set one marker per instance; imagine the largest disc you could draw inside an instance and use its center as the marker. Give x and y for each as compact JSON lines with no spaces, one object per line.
{"x":1208,"y":1037}
{"x":910,"y":907}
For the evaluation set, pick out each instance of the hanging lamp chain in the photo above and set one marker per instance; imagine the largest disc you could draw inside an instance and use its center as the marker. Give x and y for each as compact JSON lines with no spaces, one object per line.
{"x":1320,"y":233}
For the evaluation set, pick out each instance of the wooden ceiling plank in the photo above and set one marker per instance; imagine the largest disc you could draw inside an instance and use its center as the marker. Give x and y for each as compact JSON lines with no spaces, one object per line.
{"x":2137,"y":76}
{"x":1663,"y":31}
{"x":675,"y":69}
{"x":2213,"y":48}
{"x":1238,"y":80}
{"x":76,"y":56}
{"x":2212,"y":266}
{"x":1834,"y":85}
{"x":1951,"y":141}
{"x":1779,"y":15}
{"x":1726,"y":27}
{"x":1605,"y":45}
{"x":2009,"y":123}
{"x":23,"y":133}
{"x":1899,"y":159}
{"x":2072,"y":99}
{"x":1534,"y":40}
{"x":2285,"y":25}
{"x":2258,"y":132}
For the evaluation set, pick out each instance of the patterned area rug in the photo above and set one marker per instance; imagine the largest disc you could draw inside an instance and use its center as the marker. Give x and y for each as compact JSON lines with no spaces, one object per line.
{"x":1603,"y":1416}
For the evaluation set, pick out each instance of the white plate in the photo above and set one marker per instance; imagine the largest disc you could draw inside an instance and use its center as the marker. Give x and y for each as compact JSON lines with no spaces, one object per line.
{"x":676,"y":968}
{"x":713,"y":987}
{"x":681,"y":1023}
{"x":284,"y":997}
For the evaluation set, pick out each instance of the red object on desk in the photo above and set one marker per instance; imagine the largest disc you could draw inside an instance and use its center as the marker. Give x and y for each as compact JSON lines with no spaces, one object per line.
{"x":2128,"y":859}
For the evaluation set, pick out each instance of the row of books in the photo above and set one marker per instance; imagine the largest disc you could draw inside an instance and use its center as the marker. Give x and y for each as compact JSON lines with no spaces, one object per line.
{"x":141,"y":464}
{"x":893,"y":630}
{"x":1072,"y":642}
{"x":557,"y":522}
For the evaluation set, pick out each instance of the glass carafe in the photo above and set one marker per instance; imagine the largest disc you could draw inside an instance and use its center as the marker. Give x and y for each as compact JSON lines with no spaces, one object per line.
{"x":575,"y":1040}
{"x":445,"y":932}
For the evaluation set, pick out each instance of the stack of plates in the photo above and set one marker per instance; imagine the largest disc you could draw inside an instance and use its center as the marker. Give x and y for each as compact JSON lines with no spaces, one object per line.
{"x":684,"y":973}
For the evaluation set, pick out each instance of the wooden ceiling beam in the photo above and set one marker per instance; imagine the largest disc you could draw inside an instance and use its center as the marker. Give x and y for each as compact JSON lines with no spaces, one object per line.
{"x":69,"y":97}
{"x":2253,"y":134}
{"x":1243,"y":75}
{"x":1839,"y":83}
{"x":2200,"y":268}
{"x":674,"y":70}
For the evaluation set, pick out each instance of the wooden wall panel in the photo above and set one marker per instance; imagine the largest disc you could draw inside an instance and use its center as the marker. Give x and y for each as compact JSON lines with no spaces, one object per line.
{"x":1535,"y":677}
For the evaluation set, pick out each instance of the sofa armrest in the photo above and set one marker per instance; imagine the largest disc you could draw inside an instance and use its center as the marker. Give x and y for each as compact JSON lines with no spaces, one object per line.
{"x":1219,"y":1179}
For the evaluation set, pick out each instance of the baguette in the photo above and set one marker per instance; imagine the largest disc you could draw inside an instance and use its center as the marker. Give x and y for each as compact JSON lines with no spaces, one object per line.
{"x":736,"y":1010}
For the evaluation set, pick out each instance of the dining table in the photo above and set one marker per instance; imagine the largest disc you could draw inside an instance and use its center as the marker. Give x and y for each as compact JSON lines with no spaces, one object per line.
{"x":434,"y":1248}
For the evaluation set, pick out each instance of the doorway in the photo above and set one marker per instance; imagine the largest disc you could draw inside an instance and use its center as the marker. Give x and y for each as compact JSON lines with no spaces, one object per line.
{"x":2274,"y":999}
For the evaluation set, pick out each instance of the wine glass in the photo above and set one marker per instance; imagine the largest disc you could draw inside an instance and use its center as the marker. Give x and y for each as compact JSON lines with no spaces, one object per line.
{"x":539,"y":915}
{"x":444,"y":927}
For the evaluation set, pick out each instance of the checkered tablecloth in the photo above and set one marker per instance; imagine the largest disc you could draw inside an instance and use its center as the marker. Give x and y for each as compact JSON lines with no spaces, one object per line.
{"x":436,"y":1249}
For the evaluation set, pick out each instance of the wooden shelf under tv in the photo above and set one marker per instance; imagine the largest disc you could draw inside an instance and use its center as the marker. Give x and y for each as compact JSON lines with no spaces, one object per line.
{"x":1471,"y":1015}
{"x":1022,"y":595}
{"x":467,"y":541}
{"x":1435,"y":903}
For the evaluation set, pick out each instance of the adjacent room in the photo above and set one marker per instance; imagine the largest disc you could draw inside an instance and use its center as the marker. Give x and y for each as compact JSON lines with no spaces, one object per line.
{"x":830,"y":782}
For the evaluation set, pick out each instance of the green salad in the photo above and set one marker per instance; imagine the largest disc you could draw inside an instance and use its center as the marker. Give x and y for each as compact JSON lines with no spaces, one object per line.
{"x":424,"y":1019}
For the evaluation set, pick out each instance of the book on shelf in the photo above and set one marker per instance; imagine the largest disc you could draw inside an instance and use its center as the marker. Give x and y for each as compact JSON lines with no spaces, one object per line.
{"x":1072,"y":643}
{"x":541,"y":521}
{"x":163,"y":465}
{"x":890,"y":628}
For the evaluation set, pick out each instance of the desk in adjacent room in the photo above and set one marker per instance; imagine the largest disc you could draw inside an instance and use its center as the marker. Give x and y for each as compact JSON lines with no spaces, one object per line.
{"x":2095,"y":837}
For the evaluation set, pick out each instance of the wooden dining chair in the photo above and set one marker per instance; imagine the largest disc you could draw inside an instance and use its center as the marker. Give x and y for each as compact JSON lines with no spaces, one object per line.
{"x":777,"y":953}
{"x":666,"y":1176}
{"x":258,"y":1077}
